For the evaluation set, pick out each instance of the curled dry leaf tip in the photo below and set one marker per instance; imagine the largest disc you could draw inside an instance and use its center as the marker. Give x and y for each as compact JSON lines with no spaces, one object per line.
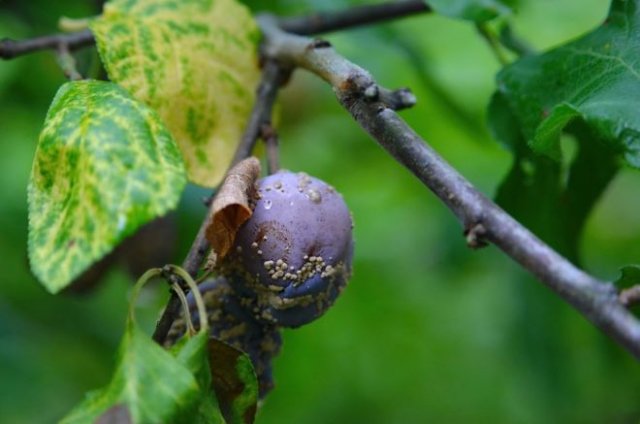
{"x":232,"y":205}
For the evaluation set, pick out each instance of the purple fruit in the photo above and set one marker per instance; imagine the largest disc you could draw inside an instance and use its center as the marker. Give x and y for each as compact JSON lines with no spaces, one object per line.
{"x":292,"y":258}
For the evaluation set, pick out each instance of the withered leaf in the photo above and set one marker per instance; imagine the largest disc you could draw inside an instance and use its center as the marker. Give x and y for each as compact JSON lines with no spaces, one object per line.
{"x":231,"y":206}
{"x":234,"y":382}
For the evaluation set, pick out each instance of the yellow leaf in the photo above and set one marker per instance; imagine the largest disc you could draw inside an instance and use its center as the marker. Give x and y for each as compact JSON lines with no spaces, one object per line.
{"x":195,"y":62}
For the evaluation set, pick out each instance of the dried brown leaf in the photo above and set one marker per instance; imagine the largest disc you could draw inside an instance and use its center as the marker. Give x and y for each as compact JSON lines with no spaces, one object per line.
{"x":234,"y":382}
{"x":231,"y":206}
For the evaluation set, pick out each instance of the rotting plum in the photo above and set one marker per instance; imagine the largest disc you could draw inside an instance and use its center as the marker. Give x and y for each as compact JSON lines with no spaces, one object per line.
{"x":232,"y":324}
{"x":292,"y":258}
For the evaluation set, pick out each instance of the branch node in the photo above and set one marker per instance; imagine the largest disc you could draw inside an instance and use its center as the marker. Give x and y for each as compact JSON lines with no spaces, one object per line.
{"x":371,"y":92}
{"x":475,"y":236}
{"x":399,"y":99}
{"x":406,"y":97}
{"x":319,"y":43}
{"x":630,"y":296}
{"x":6,"y":45}
{"x":170,"y":276}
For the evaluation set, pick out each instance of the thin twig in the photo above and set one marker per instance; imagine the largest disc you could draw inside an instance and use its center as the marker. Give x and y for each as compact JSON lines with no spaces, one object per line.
{"x":596,"y":300}
{"x":270,"y":137}
{"x":356,"y":16}
{"x":272,"y":76}
{"x":314,"y":24}
{"x":72,"y":41}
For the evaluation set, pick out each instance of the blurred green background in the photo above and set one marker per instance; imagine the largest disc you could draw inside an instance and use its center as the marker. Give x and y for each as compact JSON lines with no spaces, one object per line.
{"x":427,"y":331}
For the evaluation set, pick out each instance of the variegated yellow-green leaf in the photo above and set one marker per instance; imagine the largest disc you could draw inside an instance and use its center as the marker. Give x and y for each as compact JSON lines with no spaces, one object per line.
{"x":105,"y":164}
{"x":195,"y":62}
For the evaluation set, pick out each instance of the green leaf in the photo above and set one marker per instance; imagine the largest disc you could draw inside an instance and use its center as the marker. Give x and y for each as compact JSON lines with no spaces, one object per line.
{"x":629,"y":276}
{"x":195,"y":62}
{"x":595,"y":79}
{"x":473,"y":10}
{"x":551,"y":198}
{"x":152,"y":385}
{"x":148,"y":381}
{"x":193,"y":354}
{"x":105,"y":165}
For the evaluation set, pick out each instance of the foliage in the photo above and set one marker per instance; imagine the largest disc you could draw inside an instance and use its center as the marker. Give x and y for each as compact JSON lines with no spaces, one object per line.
{"x":105,"y":165}
{"x":151,"y":384}
{"x":586,"y":86}
{"x":630,"y":276}
{"x":192,"y":61}
{"x":594,"y":79}
{"x":545,"y":367}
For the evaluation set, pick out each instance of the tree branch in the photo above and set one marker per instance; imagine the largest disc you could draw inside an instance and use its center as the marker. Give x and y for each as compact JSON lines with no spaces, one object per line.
{"x":272,"y":77}
{"x":314,"y":24}
{"x":72,"y":41}
{"x":481,"y":218}
{"x":320,"y":23}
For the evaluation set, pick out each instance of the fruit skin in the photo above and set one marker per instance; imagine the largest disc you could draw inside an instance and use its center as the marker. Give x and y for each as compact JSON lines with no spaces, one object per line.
{"x":292,"y":258}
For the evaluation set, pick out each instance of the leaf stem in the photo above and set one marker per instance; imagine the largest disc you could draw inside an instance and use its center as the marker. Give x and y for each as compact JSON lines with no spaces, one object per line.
{"x":185,"y":307}
{"x":135,"y":292}
{"x":493,"y":41}
{"x":67,"y":63}
{"x":197,"y":296}
{"x":512,"y":42}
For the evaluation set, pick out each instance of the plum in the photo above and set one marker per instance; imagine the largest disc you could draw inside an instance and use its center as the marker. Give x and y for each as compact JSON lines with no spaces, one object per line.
{"x":292,"y":258}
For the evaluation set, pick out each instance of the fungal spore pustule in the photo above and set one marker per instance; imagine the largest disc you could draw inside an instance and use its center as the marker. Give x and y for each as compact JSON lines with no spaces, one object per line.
{"x":292,"y":258}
